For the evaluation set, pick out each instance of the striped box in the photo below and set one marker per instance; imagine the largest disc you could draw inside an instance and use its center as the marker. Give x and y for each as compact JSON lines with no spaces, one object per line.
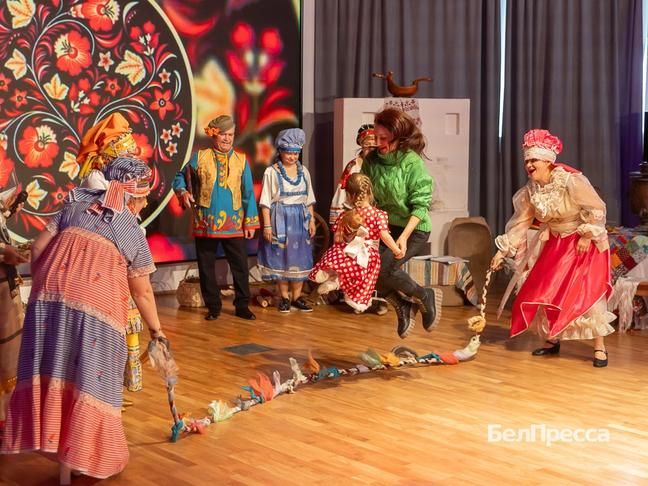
{"x":427,"y":272}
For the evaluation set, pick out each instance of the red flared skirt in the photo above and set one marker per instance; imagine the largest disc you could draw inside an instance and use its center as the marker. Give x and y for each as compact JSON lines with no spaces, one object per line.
{"x":564,"y":282}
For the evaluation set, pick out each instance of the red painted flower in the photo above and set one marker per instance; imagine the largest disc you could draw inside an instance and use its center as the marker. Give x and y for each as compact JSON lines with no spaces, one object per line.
{"x":6,"y":168}
{"x":162,"y":102}
{"x":59,"y":196}
{"x":258,"y":67}
{"x":73,"y":53}
{"x":149,"y":27}
{"x":135,"y":32}
{"x":105,"y":60}
{"x":145,"y":37}
{"x":271,"y":71}
{"x":242,"y":35}
{"x":166,"y":135}
{"x":38,"y":146}
{"x":19,"y":98}
{"x":270,"y":41}
{"x":236,"y":66}
{"x":83,"y":98}
{"x":165,"y":76}
{"x":172,"y":148}
{"x":144,"y":150}
{"x":4,"y":82}
{"x":102,"y":14}
{"x":112,"y":86}
{"x":176,"y":129}
{"x":264,"y":151}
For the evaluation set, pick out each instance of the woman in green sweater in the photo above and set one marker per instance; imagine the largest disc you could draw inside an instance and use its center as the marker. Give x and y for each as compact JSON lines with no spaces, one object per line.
{"x":403,"y":188}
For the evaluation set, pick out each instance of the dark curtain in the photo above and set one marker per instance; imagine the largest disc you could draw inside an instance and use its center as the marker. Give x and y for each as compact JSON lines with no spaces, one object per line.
{"x":456,"y":42}
{"x":574,"y":67}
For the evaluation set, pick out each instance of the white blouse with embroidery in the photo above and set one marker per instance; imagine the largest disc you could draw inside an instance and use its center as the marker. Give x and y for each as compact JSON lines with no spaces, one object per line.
{"x":277,"y":189}
{"x":567,"y":204}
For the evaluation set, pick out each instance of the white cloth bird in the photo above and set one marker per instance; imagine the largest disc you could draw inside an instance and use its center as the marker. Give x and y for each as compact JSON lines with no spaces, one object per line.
{"x":469,"y":351}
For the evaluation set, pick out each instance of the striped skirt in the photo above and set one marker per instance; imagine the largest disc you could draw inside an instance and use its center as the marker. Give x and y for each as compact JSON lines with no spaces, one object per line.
{"x":68,"y":394}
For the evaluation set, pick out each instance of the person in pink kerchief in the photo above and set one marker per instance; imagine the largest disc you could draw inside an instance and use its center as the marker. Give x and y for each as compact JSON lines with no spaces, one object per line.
{"x":563,"y":295}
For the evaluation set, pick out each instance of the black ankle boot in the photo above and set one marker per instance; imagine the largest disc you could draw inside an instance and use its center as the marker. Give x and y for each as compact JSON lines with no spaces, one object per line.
{"x":431,"y":308}
{"x":554,"y":349}
{"x":404,"y":314}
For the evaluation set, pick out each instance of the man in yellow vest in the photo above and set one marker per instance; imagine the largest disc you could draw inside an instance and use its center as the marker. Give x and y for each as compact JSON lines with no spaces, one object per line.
{"x":217,"y":184}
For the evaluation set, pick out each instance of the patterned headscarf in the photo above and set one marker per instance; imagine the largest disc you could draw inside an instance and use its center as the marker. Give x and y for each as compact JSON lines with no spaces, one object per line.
{"x":109,"y":138}
{"x":127,"y":177}
{"x":541,"y":144}
{"x":366,"y":135}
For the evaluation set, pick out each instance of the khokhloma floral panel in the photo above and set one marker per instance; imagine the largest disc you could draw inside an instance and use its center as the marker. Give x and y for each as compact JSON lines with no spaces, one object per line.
{"x":66,"y":64}
{"x":168,"y":66}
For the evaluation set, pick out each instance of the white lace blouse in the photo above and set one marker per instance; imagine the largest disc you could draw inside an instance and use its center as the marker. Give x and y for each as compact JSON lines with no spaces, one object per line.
{"x":568,"y":204}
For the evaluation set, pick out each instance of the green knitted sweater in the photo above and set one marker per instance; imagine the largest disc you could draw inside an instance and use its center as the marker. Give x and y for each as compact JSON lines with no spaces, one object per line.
{"x":402,"y":186}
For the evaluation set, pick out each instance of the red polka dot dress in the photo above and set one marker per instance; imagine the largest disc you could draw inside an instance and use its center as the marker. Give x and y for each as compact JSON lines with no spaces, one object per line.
{"x":356,"y":281}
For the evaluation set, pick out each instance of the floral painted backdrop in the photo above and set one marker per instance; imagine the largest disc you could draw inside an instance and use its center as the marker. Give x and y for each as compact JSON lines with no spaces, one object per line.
{"x":246,"y":60}
{"x":64,"y":64}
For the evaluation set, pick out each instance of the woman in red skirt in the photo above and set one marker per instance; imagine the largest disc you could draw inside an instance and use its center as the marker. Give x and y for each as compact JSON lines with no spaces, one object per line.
{"x":563,"y":295}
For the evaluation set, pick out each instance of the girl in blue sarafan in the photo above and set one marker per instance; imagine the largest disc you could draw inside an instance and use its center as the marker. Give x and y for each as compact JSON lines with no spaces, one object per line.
{"x":287,"y":198}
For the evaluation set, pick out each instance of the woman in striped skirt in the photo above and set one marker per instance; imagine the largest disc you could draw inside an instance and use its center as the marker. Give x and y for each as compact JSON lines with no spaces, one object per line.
{"x":68,"y":395}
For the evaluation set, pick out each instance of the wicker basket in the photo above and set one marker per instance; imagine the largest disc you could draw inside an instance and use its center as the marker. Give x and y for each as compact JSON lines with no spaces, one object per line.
{"x":188,"y":293}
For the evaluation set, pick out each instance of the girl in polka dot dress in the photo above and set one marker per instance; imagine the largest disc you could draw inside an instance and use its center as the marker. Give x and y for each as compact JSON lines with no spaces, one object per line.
{"x":352,"y":264}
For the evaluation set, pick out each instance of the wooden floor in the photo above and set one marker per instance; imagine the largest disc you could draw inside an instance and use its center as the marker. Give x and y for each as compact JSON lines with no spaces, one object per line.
{"x":413,"y":426}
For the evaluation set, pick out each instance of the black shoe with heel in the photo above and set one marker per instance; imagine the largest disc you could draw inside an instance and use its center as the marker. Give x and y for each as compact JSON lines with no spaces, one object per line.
{"x":600,"y":363}
{"x":554,"y":349}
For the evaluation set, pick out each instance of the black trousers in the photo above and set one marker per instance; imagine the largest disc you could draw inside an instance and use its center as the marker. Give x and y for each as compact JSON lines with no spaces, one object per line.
{"x":391,"y":277}
{"x":236,"y":256}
